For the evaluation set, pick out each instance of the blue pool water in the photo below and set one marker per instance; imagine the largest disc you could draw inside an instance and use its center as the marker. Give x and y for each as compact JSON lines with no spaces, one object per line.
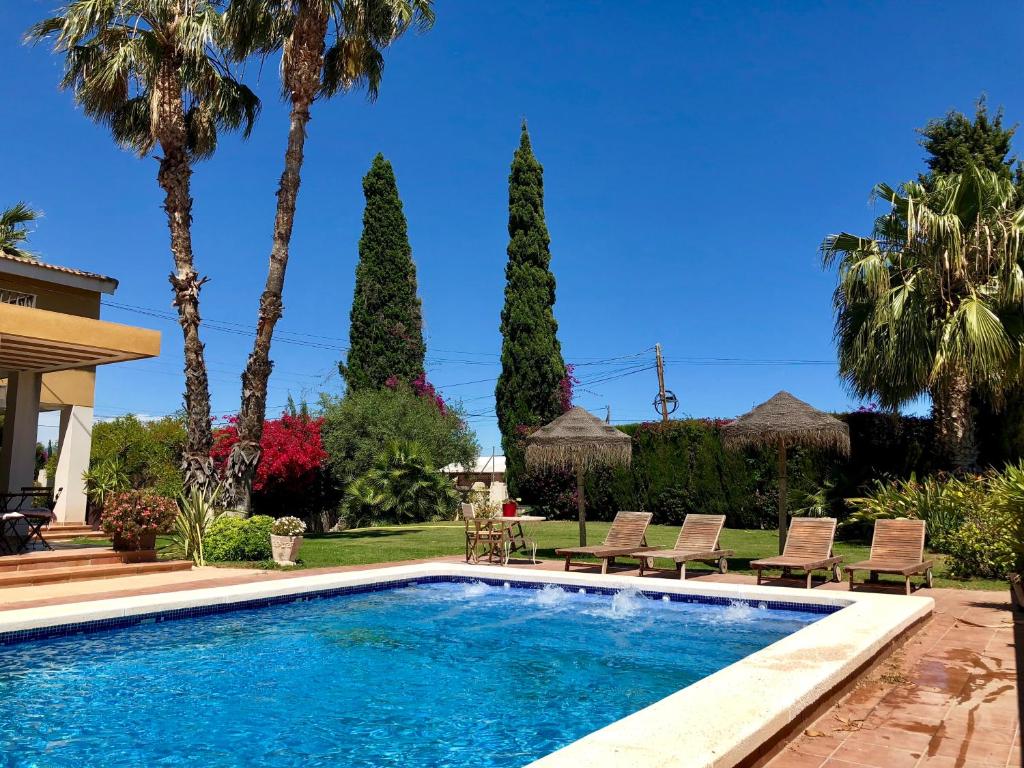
{"x":430,"y":675}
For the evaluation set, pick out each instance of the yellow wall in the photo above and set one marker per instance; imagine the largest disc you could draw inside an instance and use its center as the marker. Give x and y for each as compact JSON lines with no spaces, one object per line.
{"x":55,"y":298}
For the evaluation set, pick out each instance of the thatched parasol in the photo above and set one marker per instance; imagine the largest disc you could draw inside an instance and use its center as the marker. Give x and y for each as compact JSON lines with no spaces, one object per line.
{"x":578,"y":440}
{"x":784,"y":421}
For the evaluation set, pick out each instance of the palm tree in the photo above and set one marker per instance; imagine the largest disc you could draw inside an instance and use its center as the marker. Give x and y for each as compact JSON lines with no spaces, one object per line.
{"x":933,"y":301}
{"x":359,"y":30}
{"x":152,"y":71}
{"x":14,"y":223}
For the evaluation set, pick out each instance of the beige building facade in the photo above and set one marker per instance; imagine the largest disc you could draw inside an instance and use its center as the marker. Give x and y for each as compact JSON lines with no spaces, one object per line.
{"x":51,"y":341}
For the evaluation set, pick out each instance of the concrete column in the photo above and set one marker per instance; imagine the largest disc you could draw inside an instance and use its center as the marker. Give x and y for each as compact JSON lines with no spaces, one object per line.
{"x":72,"y":461}
{"x":21,"y":424}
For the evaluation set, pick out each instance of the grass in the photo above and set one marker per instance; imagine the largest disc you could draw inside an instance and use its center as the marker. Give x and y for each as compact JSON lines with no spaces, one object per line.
{"x":364,"y":546}
{"x":409,"y":542}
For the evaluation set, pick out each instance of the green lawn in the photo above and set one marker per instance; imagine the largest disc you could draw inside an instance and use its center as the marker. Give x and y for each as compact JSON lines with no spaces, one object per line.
{"x":375,"y":545}
{"x":411,"y":542}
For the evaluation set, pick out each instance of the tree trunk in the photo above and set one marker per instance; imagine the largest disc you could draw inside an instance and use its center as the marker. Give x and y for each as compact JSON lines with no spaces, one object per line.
{"x":953,"y":417}
{"x":302,"y":65}
{"x":581,"y":505}
{"x":783,"y":491}
{"x":174,"y":178}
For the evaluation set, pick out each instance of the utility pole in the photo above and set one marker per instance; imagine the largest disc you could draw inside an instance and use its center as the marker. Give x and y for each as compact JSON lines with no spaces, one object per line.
{"x":661,"y":383}
{"x":607,"y":415}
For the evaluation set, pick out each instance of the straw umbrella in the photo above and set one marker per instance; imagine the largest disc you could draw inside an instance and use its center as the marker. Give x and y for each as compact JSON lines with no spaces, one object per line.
{"x":781,"y":422}
{"x":578,"y":440}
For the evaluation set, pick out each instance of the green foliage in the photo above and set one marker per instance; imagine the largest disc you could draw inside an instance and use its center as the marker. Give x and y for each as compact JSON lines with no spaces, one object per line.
{"x":930,"y":302}
{"x":532,"y":368}
{"x":236,"y":539}
{"x":14,"y":223}
{"x":401,"y":487}
{"x":197,"y":511}
{"x":955,"y":143}
{"x":942,"y":502}
{"x":358,"y":427}
{"x":148,"y":452}
{"x":681,"y":467}
{"x":386,"y":332}
{"x":991,"y":540}
{"x":104,"y":478}
{"x":978,"y":520}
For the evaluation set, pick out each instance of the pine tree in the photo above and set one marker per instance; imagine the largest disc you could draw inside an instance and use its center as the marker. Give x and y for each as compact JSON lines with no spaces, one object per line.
{"x":955,"y":142}
{"x":528,"y":393}
{"x":386,"y":332}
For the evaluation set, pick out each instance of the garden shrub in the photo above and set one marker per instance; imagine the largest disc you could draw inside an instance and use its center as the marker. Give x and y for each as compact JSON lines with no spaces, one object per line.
{"x":681,"y":467}
{"x":359,"y":427}
{"x":400,"y":487}
{"x":147,"y":451}
{"x":236,"y":539}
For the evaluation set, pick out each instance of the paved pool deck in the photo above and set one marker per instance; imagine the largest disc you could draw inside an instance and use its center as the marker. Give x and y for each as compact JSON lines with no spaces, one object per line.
{"x":947,"y":698}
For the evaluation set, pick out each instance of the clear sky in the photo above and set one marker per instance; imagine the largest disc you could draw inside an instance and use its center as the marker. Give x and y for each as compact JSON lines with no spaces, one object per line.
{"x":695,"y":155}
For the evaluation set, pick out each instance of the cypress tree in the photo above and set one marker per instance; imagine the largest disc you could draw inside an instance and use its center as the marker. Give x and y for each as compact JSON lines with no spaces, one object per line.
{"x":386,"y":331}
{"x":527,"y":394}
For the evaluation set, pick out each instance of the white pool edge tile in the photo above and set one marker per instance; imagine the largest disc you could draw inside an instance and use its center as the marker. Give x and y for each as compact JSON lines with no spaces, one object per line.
{"x":710,"y":724}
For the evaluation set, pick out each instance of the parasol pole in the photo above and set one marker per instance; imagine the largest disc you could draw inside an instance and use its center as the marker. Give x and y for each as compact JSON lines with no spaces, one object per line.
{"x":782,"y":496}
{"x":581,"y":504}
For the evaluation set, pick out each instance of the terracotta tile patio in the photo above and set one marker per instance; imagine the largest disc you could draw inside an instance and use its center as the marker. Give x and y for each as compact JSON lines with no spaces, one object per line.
{"x":947,"y":698}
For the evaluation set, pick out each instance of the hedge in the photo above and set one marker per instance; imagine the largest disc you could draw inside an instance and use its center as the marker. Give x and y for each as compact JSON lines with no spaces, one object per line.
{"x":682,"y":467}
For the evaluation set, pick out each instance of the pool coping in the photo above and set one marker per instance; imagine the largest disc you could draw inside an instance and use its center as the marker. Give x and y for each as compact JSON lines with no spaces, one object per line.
{"x":781,"y":681}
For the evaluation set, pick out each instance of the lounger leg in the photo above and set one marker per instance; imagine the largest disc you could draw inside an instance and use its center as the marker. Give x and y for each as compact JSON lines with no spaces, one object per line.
{"x":874,"y":577}
{"x":567,"y":561}
{"x":809,"y":574}
{"x":643,"y":563}
{"x":851,"y":579}
{"x":759,"y":577}
{"x":907,"y":586}
{"x":682,"y":571}
{"x":604,"y":564}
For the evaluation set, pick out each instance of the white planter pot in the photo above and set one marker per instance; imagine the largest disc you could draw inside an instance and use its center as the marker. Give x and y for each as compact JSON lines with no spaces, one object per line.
{"x":285,"y":549}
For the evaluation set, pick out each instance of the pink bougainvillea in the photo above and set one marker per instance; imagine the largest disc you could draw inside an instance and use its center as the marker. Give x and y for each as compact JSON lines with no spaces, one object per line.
{"x":566,"y":387}
{"x":421,"y":388}
{"x":291,"y":452}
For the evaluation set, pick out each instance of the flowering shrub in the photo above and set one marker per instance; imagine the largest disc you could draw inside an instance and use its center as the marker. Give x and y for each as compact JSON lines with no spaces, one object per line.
{"x":566,"y":386}
{"x":421,"y":388}
{"x":288,"y":526}
{"x":129,"y":514}
{"x":291,"y":453}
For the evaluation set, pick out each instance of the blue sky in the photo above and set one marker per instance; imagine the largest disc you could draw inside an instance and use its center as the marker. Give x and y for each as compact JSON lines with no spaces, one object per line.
{"x":695,"y":156}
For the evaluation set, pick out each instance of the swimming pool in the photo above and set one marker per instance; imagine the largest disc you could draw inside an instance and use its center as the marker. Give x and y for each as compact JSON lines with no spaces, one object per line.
{"x":440,"y":674}
{"x":409,"y":668}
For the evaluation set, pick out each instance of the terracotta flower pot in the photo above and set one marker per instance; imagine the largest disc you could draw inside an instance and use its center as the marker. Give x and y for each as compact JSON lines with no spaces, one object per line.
{"x":136,"y":550}
{"x":285,"y":548}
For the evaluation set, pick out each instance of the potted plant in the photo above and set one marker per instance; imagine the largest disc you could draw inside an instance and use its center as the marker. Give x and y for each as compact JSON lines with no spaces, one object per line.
{"x":285,"y":539}
{"x":133,"y":519}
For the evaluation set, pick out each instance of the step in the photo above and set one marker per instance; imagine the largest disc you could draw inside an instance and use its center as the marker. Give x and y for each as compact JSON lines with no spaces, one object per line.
{"x":83,"y":572}
{"x":59,"y":559}
{"x":57,"y":534}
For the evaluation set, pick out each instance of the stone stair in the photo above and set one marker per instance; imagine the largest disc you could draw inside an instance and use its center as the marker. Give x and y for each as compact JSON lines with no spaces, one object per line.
{"x":75,"y":564}
{"x":59,"y":532}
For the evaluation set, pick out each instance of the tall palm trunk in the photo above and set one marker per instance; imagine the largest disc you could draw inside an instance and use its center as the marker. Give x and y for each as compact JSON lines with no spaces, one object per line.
{"x":953,"y":417}
{"x":303,"y":63}
{"x":174,"y":178}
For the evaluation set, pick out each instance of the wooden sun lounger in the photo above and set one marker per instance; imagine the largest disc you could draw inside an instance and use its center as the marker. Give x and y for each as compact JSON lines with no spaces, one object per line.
{"x":697,"y":542}
{"x":625,"y":537}
{"x":808,"y":548}
{"x":897,"y":547}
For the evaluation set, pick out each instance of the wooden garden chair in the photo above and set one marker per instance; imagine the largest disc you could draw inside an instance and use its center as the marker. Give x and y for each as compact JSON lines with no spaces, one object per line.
{"x":481,"y":536}
{"x":625,"y":537}
{"x":808,"y":548}
{"x":897,"y":547}
{"x":697,"y":542}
